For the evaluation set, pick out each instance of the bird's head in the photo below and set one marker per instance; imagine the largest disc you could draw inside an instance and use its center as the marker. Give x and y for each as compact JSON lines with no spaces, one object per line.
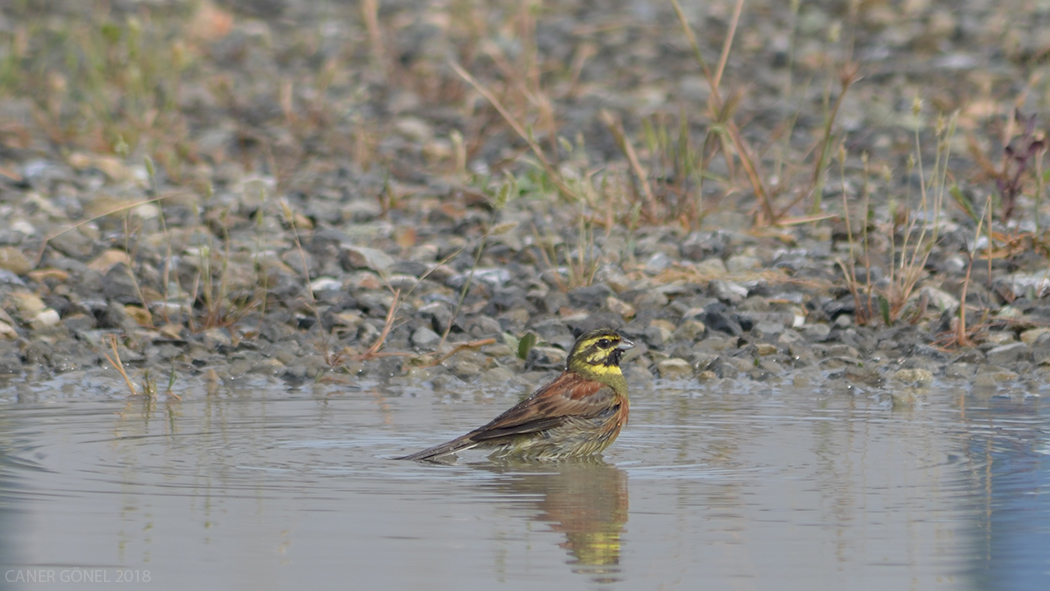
{"x":596,"y":355}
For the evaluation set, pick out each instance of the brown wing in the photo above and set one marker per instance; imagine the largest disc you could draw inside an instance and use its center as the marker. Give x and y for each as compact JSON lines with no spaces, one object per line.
{"x":569,"y":395}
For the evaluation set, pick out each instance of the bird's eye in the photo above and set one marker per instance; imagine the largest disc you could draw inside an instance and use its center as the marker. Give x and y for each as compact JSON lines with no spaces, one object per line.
{"x":604,"y":343}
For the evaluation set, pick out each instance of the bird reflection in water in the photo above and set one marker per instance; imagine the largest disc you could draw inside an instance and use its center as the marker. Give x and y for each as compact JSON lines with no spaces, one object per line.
{"x":586,"y":499}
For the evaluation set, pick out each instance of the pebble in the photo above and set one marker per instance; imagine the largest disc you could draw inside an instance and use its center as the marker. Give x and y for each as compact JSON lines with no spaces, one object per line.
{"x":1008,"y":354}
{"x":13,"y":260}
{"x":618,"y":306}
{"x":424,"y":338}
{"x":674,"y":368}
{"x":742,"y":263}
{"x":546,"y":358}
{"x":921,"y":377}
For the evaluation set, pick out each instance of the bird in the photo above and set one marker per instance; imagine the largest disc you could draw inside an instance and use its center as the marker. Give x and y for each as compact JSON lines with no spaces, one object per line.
{"x":578,"y":414}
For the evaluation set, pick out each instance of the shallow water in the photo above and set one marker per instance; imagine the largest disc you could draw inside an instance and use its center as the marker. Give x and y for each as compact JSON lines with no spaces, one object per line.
{"x":728,"y":485}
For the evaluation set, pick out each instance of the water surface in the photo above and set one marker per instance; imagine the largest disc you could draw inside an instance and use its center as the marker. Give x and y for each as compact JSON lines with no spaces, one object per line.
{"x":254,"y":483}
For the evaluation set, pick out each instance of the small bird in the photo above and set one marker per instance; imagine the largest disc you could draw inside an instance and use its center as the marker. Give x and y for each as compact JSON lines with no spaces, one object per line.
{"x":578,"y":414}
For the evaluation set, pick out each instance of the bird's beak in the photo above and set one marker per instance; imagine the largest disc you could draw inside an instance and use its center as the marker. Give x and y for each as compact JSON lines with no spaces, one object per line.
{"x":625,"y":345}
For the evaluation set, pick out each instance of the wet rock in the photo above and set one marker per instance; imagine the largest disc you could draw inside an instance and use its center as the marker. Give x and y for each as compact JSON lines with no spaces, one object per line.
{"x":639,"y":378}
{"x":921,"y":377}
{"x":961,"y":371}
{"x":764,"y":349}
{"x":38,"y":352}
{"x":216,"y":338}
{"x":1008,"y":354}
{"x":658,"y":333}
{"x":11,"y":363}
{"x":724,"y":367}
{"x":466,"y":369}
{"x":802,"y":354}
{"x":907,"y":397}
{"x":993,"y":374}
{"x":1041,"y":350}
{"x":499,"y":377}
{"x":674,"y":368}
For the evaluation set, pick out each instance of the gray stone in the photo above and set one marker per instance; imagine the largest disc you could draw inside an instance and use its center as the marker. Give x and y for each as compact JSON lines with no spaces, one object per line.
{"x":650,"y":300}
{"x":919,"y":377}
{"x":657,"y":263}
{"x":1008,"y":354}
{"x":742,"y":263}
{"x":674,"y":368}
{"x":484,"y":327}
{"x":119,"y":285}
{"x":216,"y":337}
{"x":424,"y":338}
{"x":657,"y":334}
{"x":357,"y":257}
{"x":591,"y":296}
{"x":963,"y":371}
{"x":767,"y":329}
{"x":545,"y":358}
{"x":728,"y":291}
{"x":717,"y":317}
{"x":816,"y":333}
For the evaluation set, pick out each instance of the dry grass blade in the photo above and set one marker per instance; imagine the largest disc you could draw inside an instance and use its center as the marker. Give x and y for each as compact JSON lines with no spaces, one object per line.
{"x":118,"y":364}
{"x":722,"y":112}
{"x":388,"y":325}
{"x":370,"y":14}
{"x":460,"y":347}
{"x":519,"y":129}
{"x":49,"y":237}
{"x":734,"y":21}
{"x":616,"y":127}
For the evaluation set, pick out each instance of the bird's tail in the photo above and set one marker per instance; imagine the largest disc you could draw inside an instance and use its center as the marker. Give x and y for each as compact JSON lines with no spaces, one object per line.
{"x":433,"y":453}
